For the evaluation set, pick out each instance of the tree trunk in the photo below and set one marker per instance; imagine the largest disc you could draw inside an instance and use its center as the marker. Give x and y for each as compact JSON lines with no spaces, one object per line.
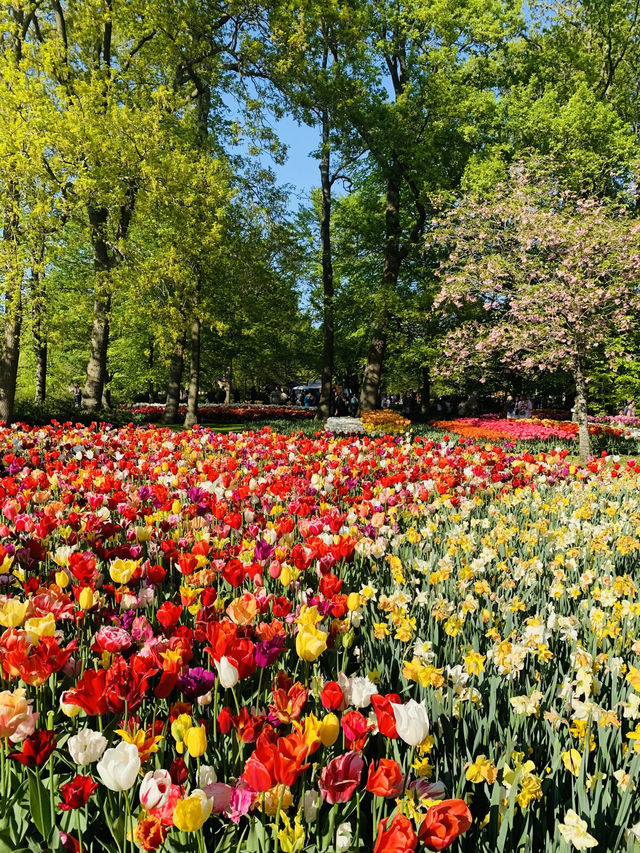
{"x":170,"y":414}
{"x":151,"y":394}
{"x":10,"y":352}
{"x":191,"y":417}
{"x":425,"y":392}
{"x":581,"y":409}
{"x":39,"y":335}
{"x":104,"y":262}
{"x":96,"y":375}
{"x":97,"y":366}
{"x":324,"y":406}
{"x":228,"y":382}
{"x":13,"y":309}
{"x":13,"y":280}
{"x":370,"y":392}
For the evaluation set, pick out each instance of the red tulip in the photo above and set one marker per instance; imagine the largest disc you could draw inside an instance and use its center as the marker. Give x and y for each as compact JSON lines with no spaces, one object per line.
{"x":36,"y":748}
{"x":384,"y":713}
{"x":332,"y":697}
{"x":443,"y":823}
{"x":387,"y":780}
{"x":341,"y":777}
{"x":77,"y":792}
{"x":399,"y":837}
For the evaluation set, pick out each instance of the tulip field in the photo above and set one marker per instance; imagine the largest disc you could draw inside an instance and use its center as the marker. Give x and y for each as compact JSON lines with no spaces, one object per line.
{"x":260,"y":642}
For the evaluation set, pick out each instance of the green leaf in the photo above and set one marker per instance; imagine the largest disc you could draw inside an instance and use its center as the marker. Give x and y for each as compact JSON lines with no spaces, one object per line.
{"x":39,"y":806}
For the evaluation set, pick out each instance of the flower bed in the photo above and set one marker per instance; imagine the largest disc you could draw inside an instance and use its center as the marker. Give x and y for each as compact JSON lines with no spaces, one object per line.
{"x":624,"y":421}
{"x":384,"y":422}
{"x":220,"y":413}
{"x":262,"y":642}
{"x":520,"y":429}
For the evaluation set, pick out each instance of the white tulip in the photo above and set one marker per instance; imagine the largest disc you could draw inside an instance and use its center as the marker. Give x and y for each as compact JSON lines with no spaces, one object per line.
{"x":412,"y":721}
{"x":362,"y":689}
{"x":87,"y":746}
{"x":311,"y":805}
{"x":227,"y":673}
{"x":119,"y":767}
{"x":154,"y":789}
{"x":206,"y":776}
{"x":428,"y":790}
{"x":344,"y":837}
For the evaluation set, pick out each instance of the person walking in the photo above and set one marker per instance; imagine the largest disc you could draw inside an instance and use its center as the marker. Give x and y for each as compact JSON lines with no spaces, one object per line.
{"x":76,"y":392}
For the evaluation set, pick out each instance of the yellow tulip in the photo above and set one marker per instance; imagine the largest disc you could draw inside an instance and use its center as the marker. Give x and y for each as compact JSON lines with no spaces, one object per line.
{"x":121,"y":571}
{"x":12,"y":613}
{"x":310,"y":643}
{"x":6,"y":564}
{"x":143,"y":534}
{"x":85,"y":599}
{"x":190,"y":814}
{"x":285,"y":576}
{"x":329,"y":730}
{"x":179,"y":728}
{"x":62,"y":579}
{"x":353,"y":601}
{"x":291,"y":838}
{"x":196,"y":741}
{"x":44,"y":626}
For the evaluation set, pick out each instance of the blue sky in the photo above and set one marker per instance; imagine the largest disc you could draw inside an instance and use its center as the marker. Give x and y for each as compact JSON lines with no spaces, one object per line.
{"x":300,"y":169}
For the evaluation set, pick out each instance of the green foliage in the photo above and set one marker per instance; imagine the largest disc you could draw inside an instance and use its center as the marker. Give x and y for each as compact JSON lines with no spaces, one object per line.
{"x":119,"y":109}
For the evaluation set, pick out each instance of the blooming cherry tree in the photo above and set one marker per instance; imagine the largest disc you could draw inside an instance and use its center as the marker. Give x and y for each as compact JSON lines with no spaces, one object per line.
{"x":554,"y":279}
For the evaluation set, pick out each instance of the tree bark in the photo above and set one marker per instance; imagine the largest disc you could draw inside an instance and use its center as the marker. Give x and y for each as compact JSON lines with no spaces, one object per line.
{"x":425,"y":392}
{"x":12,"y":314}
{"x":170,"y":414}
{"x":10,"y":352}
{"x":39,"y":335}
{"x":13,"y":285}
{"x":97,"y":366}
{"x":150,"y":389}
{"x":370,"y":391}
{"x":581,"y":409}
{"x":96,"y":375}
{"x":228,"y":382}
{"x":191,"y":417}
{"x":104,"y":262}
{"x":324,"y":406}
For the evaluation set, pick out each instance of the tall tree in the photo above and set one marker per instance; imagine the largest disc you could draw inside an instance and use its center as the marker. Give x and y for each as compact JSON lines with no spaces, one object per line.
{"x":420,"y":99}
{"x":307,"y":40}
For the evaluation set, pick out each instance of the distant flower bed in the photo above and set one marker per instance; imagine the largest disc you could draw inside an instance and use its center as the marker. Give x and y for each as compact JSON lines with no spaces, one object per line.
{"x":519,"y":429}
{"x":620,"y":420}
{"x":384,"y":422}
{"x":220,"y":413}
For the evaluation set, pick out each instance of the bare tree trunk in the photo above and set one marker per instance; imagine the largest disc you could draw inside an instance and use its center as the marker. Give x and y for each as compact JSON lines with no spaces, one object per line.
{"x":228,"y":382}
{"x":150,"y":389}
{"x":370,"y":391}
{"x":96,"y":375}
{"x":13,"y":310}
{"x":324,"y":406}
{"x":191,"y":417}
{"x":170,"y":414}
{"x":581,"y":409}
{"x":425,"y":392}
{"x":104,"y":262}
{"x":39,"y":335}
{"x":97,"y":366}
{"x":10,"y":352}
